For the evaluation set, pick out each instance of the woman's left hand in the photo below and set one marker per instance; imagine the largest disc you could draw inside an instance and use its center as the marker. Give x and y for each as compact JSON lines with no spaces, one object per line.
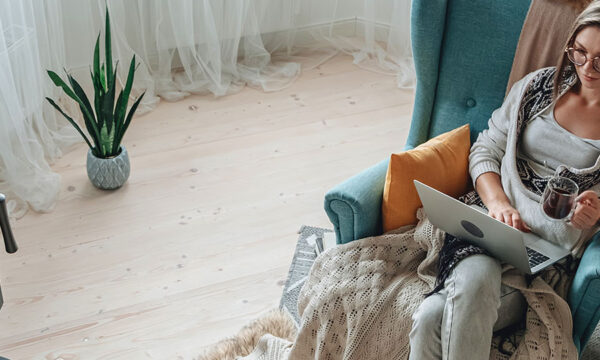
{"x":587,"y":211}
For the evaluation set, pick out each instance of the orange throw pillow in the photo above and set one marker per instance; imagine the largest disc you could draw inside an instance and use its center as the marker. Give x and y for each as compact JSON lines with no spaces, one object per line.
{"x":441,"y":162}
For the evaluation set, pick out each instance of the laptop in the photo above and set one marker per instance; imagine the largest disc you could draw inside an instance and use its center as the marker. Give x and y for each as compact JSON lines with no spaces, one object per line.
{"x":525,"y":251}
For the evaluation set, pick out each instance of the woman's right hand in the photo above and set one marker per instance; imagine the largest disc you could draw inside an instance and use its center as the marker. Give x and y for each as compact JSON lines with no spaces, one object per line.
{"x":489,"y":188}
{"x":503,"y":211}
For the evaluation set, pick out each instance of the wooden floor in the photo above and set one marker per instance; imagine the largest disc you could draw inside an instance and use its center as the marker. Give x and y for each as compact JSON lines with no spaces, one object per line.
{"x":200,"y":239}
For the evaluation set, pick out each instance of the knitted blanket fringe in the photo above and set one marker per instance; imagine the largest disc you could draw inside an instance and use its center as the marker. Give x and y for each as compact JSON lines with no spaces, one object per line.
{"x":359,"y":298}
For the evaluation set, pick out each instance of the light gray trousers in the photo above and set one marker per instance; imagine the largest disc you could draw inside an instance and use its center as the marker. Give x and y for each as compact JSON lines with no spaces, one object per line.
{"x":458,"y":321}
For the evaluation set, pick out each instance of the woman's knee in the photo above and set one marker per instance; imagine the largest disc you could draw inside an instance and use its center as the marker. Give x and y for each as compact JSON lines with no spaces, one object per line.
{"x":428,"y":317}
{"x":478,"y":276}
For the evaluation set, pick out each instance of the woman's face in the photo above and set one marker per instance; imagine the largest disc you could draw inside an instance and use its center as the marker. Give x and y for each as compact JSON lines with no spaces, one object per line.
{"x":588,"y":40}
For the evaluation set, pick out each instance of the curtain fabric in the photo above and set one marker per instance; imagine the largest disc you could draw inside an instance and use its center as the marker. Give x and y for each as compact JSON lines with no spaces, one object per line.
{"x":183,"y":47}
{"x":31,"y":135}
{"x":380,"y":42}
{"x":196,"y":47}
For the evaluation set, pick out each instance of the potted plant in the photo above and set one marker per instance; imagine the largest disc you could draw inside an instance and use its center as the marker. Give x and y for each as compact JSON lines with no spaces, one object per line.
{"x":106,"y":122}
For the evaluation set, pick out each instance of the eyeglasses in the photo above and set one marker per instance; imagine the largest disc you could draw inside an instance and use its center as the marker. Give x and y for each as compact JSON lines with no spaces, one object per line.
{"x":579,"y":58}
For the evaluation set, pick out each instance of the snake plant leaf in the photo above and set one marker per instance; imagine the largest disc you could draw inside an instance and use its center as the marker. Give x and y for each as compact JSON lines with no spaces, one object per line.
{"x":81,"y":94}
{"x":60,"y":83}
{"x":119,"y":113}
{"x":108,"y":103}
{"x":119,"y":137}
{"x":69,"y":119}
{"x":127,"y":88}
{"x":98,"y":91}
{"x":106,"y":142}
{"x":96,"y":73}
{"x":86,"y":108}
{"x":118,"y":123}
{"x":123,"y":99}
{"x":130,"y":74}
{"x":103,"y":78}
{"x":108,"y":49}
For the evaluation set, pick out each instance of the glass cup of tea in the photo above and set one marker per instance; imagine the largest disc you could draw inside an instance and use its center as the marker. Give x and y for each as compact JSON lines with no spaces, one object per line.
{"x":558,"y":199}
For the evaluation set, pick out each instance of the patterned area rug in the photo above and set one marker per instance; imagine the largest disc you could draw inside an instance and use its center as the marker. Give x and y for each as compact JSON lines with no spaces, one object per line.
{"x":305,"y":255}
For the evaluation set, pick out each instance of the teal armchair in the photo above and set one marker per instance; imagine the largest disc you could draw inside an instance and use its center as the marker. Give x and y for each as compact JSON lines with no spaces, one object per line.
{"x":463,"y":52}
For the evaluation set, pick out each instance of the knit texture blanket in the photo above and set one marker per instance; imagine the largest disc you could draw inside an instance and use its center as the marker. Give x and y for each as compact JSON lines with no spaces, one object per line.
{"x":359,"y":299}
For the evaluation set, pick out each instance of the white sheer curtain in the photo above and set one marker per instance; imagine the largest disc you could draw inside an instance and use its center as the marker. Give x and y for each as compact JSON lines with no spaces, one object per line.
{"x":378,"y":38}
{"x":384,"y":40}
{"x":184,"y":47}
{"x":192,"y":46}
{"x":219,"y":46}
{"x":30,"y":134}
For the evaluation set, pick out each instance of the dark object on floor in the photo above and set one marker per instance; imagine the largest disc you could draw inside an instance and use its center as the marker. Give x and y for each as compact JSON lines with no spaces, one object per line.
{"x":9,"y":239}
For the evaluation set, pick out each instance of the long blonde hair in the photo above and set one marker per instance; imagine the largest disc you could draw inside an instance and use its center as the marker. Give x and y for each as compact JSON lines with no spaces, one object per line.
{"x":590,"y":16}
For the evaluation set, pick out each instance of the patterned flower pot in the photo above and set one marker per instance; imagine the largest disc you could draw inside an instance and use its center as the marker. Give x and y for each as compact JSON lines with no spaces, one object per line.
{"x":108,"y":173}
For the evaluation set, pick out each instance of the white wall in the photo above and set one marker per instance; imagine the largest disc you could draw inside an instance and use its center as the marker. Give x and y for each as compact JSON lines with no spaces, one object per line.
{"x":315,"y":12}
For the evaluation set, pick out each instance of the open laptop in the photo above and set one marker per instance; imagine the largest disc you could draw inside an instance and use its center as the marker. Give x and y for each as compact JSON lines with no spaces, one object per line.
{"x":525,"y":251}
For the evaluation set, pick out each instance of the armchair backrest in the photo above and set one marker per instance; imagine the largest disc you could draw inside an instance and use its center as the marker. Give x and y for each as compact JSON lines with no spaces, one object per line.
{"x":463,"y":52}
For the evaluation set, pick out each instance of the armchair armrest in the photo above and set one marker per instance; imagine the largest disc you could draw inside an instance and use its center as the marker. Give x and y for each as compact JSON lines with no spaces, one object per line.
{"x":354,"y":206}
{"x":584,"y":295}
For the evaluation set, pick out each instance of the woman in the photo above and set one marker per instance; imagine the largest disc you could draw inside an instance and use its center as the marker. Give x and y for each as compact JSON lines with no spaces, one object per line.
{"x":549,"y":124}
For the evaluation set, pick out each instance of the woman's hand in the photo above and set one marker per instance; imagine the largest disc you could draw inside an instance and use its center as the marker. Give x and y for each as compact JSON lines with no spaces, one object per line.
{"x":504,"y":212}
{"x":587,"y":211}
{"x":489,"y":188}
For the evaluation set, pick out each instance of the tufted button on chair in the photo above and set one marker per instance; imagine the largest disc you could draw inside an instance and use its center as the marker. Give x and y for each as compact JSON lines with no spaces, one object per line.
{"x":463,"y":52}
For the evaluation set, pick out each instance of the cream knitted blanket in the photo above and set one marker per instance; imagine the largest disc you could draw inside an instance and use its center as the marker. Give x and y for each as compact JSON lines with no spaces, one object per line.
{"x":359,"y":298}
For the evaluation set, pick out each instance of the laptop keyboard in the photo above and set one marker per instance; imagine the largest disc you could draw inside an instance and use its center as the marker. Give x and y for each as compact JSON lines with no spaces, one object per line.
{"x":535,"y":258}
